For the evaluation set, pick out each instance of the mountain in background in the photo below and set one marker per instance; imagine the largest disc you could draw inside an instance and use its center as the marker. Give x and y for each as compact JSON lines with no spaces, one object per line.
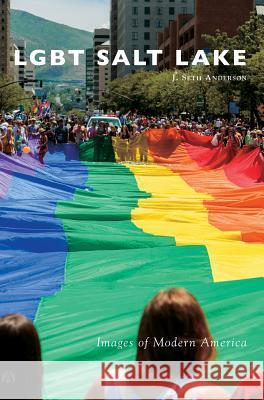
{"x":40,"y":33}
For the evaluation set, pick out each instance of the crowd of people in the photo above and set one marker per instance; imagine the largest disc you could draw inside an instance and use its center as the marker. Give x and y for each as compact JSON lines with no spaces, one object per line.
{"x":15,"y":136}
{"x":129,"y":141}
{"x":236,"y":131}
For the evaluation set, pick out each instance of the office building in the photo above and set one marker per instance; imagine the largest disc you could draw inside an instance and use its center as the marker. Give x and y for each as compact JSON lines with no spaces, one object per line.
{"x":186,"y":32}
{"x":5,"y":41}
{"x":113,"y":36}
{"x":13,"y":68}
{"x":21,"y":45}
{"x":100,"y":36}
{"x":89,"y":68}
{"x":168,"y":41}
{"x":135,"y":23}
{"x":104,"y":73}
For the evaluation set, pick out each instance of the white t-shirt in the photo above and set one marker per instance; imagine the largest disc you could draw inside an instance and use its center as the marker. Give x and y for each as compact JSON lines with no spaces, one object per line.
{"x":218,"y":123}
{"x":215,"y":141}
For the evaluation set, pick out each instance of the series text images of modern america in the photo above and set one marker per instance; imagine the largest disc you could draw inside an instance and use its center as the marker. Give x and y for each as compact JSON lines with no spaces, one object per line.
{"x":60,"y":57}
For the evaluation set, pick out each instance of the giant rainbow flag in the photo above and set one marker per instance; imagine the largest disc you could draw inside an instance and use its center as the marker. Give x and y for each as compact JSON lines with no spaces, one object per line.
{"x":84,"y":246}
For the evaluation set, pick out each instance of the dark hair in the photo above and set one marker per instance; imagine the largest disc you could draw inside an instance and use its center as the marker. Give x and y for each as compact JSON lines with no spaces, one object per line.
{"x":19,"y":340}
{"x":171,"y":314}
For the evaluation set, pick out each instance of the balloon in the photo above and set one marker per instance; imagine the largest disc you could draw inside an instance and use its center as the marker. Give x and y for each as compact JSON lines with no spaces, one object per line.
{"x":26,"y":150}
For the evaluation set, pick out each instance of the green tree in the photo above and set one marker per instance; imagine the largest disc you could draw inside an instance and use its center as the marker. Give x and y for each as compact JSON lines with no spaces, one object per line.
{"x":11,"y":96}
{"x":130,"y":93}
{"x":79,"y":114}
{"x":250,"y":37}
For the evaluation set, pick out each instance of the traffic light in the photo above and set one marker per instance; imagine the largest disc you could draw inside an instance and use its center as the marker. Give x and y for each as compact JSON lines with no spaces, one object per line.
{"x":41,"y":84}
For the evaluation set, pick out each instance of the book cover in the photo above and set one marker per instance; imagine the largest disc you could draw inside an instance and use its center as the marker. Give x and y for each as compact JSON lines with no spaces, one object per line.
{"x":131,"y":199}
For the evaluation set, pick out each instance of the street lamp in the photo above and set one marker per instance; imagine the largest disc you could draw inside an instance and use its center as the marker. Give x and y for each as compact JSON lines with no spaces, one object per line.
{"x":117,"y":93}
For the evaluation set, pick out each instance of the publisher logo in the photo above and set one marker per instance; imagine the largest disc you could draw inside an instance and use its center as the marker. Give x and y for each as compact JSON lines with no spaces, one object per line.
{"x":185,"y":380}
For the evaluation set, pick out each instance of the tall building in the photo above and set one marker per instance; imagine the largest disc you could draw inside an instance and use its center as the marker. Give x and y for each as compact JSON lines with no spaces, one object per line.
{"x":113,"y":35}
{"x":13,"y":67}
{"x":5,"y":37}
{"x":100,"y":36}
{"x":104,"y":73}
{"x":89,"y":64}
{"x":135,"y":23}
{"x":186,"y":32}
{"x":21,"y":45}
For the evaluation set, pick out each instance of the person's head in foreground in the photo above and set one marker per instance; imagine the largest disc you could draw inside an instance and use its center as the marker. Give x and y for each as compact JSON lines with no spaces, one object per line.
{"x":19,"y":340}
{"x":171,"y":314}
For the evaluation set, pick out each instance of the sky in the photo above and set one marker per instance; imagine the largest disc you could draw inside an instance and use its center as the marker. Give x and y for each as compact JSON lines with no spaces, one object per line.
{"x":82,"y":14}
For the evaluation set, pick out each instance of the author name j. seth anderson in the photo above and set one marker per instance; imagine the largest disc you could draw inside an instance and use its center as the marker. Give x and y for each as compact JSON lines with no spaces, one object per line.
{"x":175,"y":343}
{"x":209,"y":78}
